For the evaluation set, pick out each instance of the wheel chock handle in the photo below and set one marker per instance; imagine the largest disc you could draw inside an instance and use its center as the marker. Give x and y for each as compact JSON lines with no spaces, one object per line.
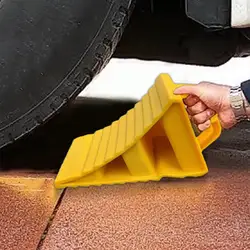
{"x":209,"y":135}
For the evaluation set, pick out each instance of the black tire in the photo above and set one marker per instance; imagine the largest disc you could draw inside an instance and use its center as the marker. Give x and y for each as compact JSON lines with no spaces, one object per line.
{"x":49,"y":51}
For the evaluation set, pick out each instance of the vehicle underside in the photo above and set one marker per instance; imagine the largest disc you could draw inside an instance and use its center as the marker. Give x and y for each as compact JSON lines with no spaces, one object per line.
{"x":201,"y":36}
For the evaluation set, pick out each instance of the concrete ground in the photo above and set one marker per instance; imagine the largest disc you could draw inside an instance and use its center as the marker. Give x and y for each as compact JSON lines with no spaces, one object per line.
{"x":211,"y":212}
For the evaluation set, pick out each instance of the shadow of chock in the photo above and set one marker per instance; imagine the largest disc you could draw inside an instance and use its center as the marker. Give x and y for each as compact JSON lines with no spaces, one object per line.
{"x":46,"y":147}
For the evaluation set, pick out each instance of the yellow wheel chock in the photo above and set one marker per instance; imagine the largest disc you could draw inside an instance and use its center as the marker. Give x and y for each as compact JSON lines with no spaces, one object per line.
{"x":153,"y":140}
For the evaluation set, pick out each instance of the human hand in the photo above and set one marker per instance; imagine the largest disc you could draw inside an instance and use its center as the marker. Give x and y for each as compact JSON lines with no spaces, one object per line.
{"x":204,"y":101}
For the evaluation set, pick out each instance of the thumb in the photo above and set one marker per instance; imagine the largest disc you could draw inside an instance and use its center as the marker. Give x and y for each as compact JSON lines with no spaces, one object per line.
{"x":188,"y":90}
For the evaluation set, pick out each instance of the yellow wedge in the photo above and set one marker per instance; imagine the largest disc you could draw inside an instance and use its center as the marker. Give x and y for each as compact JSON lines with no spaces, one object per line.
{"x":155,"y":139}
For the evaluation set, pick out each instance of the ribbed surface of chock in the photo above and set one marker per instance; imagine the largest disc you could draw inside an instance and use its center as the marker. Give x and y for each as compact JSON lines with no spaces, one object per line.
{"x":155,"y":139}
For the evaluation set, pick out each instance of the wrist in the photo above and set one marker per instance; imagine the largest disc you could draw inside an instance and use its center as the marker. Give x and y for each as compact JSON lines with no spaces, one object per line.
{"x":246,"y":106}
{"x":239,"y":104}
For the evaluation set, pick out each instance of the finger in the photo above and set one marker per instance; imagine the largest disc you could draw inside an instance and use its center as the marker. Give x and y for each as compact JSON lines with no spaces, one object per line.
{"x":191,"y":100}
{"x":203,"y":117}
{"x":188,"y":89}
{"x":204,"y":125}
{"x":197,"y":108}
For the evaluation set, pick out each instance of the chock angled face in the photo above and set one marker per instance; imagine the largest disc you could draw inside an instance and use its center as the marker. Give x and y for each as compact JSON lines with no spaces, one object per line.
{"x":153,"y":140}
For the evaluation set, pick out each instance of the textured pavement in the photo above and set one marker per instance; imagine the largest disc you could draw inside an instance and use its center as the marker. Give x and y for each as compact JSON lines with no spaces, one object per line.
{"x":27,"y":202}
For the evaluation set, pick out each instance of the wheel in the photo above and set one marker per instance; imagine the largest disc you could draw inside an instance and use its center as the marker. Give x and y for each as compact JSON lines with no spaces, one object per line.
{"x":49,"y":51}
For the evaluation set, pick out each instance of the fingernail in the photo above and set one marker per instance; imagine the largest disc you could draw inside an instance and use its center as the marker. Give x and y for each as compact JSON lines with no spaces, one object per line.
{"x":204,"y":125}
{"x":210,"y":112}
{"x":200,"y":127}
